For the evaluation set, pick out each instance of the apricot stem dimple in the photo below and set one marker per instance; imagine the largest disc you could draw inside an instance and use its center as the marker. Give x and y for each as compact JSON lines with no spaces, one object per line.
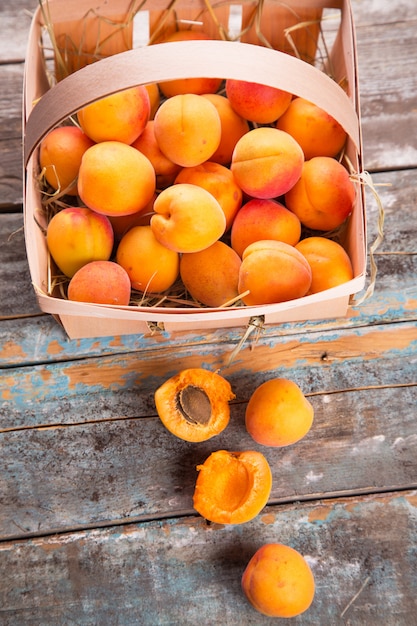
{"x":195,"y":405}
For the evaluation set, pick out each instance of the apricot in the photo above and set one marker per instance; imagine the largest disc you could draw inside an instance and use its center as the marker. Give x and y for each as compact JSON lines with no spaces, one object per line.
{"x":151,"y":267}
{"x":255,"y":102}
{"x":122,"y":116}
{"x":187,"y":129}
{"x":100,"y":282}
{"x":187,"y":218}
{"x":264,"y":219}
{"x":267,"y":162}
{"x":194,"y":404}
{"x":188,"y":85}
{"x":273,"y":271}
{"x":165,"y":169}
{"x":211,"y":276}
{"x":233,"y":127}
{"x":154,"y":98}
{"x":317,"y":132}
{"x":122,"y":223}
{"x":60,"y":157}
{"x":323,"y":196}
{"x":278,"y":414}
{"x":330,"y":263}
{"x":232,"y":487}
{"x":76,"y":235}
{"x":278,"y":581}
{"x":219,"y":181}
{"x":115,"y":179}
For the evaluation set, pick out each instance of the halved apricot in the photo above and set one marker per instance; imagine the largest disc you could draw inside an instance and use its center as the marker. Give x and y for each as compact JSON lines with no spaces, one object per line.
{"x":232,"y":487}
{"x":194,"y":404}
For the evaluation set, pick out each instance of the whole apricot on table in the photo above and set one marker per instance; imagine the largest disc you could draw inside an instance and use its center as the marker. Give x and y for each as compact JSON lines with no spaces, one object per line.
{"x":278,"y":413}
{"x":273,"y":271}
{"x":264,"y":219}
{"x":121,"y":116}
{"x":278,"y":581}
{"x":233,"y":127}
{"x":77,"y":235}
{"x":211,"y":276}
{"x":60,"y":155}
{"x":187,"y":218}
{"x":330,"y":263}
{"x":188,"y":129}
{"x":115,"y":179}
{"x":180,"y":86}
{"x":219,"y":181}
{"x":267,"y":162}
{"x":194,"y":404}
{"x":323,"y":197}
{"x":100,"y":282}
{"x":165,"y":169}
{"x":255,"y":102}
{"x":232,"y":487}
{"x":317,"y":132}
{"x":152,"y":268}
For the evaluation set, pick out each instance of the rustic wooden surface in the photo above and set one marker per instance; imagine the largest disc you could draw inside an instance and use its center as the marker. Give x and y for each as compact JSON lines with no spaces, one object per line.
{"x":96,"y":517}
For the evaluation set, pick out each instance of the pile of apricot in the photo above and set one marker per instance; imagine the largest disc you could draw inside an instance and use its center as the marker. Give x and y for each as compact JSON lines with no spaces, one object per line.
{"x":202,"y":183}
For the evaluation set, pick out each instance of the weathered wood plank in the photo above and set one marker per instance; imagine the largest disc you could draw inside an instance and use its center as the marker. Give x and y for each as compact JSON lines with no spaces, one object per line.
{"x":182,"y":571}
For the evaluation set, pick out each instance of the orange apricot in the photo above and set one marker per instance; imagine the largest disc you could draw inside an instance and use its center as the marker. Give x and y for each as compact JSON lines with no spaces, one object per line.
{"x":267,"y":162}
{"x":255,"y":102}
{"x":278,"y":581}
{"x":122,"y":116}
{"x":100,"y":282}
{"x":233,"y":127}
{"x":211,"y":275}
{"x":264,"y":219}
{"x":154,"y":98}
{"x":273,"y":271}
{"x":278,"y":414}
{"x":316,"y":131}
{"x":187,"y":129}
{"x":194,"y":404}
{"x":60,"y":157}
{"x":232,"y":487}
{"x":115,"y":179}
{"x":219,"y":181}
{"x":323,"y":196}
{"x":330,"y":263}
{"x":122,"y":223}
{"x":187,"y":218}
{"x":151,"y":267}
{"x":165,"y":169}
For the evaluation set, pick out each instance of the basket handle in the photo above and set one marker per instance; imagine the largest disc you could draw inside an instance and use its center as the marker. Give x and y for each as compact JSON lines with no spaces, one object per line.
{"x":167,"y":61}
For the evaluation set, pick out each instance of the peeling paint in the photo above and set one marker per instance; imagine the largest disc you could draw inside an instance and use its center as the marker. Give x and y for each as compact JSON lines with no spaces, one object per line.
{"x":12,"y":350}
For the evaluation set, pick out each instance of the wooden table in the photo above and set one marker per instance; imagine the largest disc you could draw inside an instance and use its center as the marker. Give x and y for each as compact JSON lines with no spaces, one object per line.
{"x":96,"y":518}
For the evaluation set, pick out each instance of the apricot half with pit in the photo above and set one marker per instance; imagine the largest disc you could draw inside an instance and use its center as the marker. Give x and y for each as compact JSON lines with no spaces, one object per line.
{"x":194,"y":404}
{"x":232,"y":487}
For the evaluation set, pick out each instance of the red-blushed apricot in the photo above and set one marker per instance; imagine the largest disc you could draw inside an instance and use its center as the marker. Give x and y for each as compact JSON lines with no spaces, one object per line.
{"x":232,"y":487}
{"x":219,"y":181}
{"x":316,"y":131}
{"x":100,"y":282}
{"x":273,"y":271}
{"x":151,"y":267}
{"x":181,"y":86}
{"x":278,"y":414}
{"x":323,"y":196}
{"x":211,"y":276}
{"x":187,"y":218}
{"x":165,"y":169}
{"x":187,"y":129}
{"x":194,"y":404}
{"x":76,"y":235}
{"x":255,"y":102}
{"x":278,"y":581}
{"x":233,"y":127}
{"x":122,"y":116}
{"x":264,"y":219}
{"x":115,"y":179}
{"x":60,"y":157}
{"x":330,"y":263}
{"x":267,"y":162}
